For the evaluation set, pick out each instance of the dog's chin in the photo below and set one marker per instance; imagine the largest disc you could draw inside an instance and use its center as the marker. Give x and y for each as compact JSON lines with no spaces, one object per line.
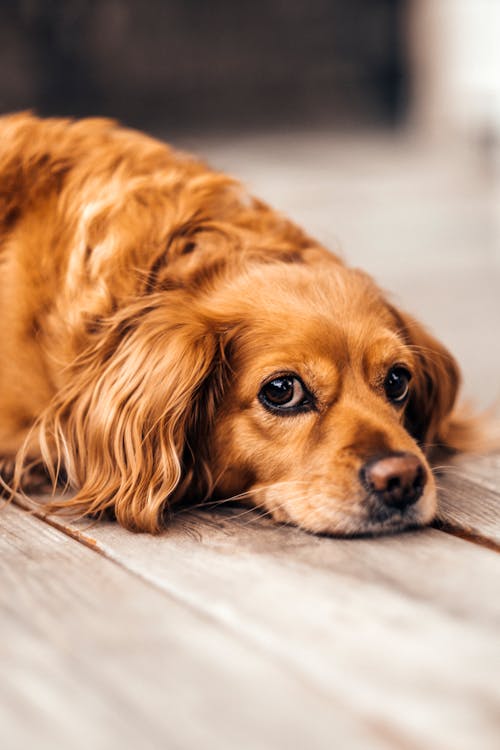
{"x":390,"y":523}
{"x":383,"y":519}
{"x":369,"y":517}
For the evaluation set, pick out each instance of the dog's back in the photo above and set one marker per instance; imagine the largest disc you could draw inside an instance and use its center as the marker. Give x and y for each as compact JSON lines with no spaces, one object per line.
{"x":49,"y":170}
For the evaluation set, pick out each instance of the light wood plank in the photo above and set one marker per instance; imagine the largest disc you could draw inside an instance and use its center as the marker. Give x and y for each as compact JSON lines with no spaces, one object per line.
{"x":403,"y":629}
{"x":93,"y":656}
{"x":470,"y":497}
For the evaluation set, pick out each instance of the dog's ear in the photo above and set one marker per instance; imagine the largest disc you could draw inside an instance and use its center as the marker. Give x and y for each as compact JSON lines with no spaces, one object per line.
{"x":120,"y":428}
{"x":435,"y":384}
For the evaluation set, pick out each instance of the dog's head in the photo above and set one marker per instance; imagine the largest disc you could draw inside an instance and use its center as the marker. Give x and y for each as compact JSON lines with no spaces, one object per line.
{"x":335,"y":397}
{"x":293,"y":385}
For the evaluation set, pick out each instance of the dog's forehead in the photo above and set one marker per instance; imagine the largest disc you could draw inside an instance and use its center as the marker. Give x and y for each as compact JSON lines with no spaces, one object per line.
{"x":334,"y":315}
{"x":318,"y":337}
{"x":331,"y":295}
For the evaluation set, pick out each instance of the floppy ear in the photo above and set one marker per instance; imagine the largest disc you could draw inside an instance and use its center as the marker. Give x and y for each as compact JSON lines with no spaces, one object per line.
{"x":435,"y":385}
{"x":120,"y":427}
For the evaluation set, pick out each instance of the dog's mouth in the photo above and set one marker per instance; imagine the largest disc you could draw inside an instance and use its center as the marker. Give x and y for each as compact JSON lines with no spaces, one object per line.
{"x":382,"y":522}
{"x":381,"y":519}
{"x":378,"y":517}
{"x":368,"y":516}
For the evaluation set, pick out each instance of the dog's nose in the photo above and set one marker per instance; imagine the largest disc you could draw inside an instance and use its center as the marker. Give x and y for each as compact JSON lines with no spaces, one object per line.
{"x":398,"y":479}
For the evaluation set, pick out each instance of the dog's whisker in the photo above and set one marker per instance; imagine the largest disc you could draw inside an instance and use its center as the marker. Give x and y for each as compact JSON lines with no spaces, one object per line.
{"x":243,"y":495}
{"x":444,"y":469}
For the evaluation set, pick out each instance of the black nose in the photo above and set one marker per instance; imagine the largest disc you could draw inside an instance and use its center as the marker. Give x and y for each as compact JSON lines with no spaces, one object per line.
{"x":398,"y":479}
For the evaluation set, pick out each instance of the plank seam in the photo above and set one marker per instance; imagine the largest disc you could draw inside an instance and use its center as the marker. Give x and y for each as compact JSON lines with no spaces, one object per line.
{"x":467,"y":534}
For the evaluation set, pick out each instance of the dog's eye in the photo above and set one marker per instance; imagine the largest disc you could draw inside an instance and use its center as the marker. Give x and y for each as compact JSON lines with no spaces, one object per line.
{"x":285,"y":393}
{"x":397,"y":384}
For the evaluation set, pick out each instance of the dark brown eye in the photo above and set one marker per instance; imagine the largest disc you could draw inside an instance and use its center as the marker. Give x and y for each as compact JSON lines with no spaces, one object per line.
{"x":397,"y":384}
{"x":285,"y":393}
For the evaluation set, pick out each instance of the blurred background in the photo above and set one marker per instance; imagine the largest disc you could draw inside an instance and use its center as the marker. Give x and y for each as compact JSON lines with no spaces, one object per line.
{"x":374,"y":123}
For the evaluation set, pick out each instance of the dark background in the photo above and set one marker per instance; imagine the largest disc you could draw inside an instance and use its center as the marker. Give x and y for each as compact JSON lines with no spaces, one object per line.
{"x":205,"y":65}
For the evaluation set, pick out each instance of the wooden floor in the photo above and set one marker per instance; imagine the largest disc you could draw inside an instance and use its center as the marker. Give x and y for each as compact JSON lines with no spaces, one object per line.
{"x":229,"y":632}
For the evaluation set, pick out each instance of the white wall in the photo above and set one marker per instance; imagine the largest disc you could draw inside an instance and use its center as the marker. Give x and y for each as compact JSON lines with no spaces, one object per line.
{"x":455,"y":48}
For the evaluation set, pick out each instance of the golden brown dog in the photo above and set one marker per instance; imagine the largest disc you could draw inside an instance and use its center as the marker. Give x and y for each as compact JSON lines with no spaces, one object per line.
{"x":166,"y":337}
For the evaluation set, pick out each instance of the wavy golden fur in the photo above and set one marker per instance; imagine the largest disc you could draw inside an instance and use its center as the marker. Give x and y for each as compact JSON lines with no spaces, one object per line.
{"x":146,"y":300}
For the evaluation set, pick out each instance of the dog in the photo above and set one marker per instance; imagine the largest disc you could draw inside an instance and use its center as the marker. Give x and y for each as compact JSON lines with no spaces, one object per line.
{"x":167,"y":338}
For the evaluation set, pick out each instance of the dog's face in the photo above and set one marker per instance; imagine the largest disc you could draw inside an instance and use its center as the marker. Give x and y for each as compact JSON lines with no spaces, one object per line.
{"x":326,"y":399}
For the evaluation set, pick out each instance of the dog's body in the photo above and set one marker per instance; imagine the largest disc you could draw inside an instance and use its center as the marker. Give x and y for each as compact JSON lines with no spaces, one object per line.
{"x":167,"y":337}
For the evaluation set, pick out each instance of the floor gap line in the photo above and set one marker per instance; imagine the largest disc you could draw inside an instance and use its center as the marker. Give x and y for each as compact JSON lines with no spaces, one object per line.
{"x":466,"y":534}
